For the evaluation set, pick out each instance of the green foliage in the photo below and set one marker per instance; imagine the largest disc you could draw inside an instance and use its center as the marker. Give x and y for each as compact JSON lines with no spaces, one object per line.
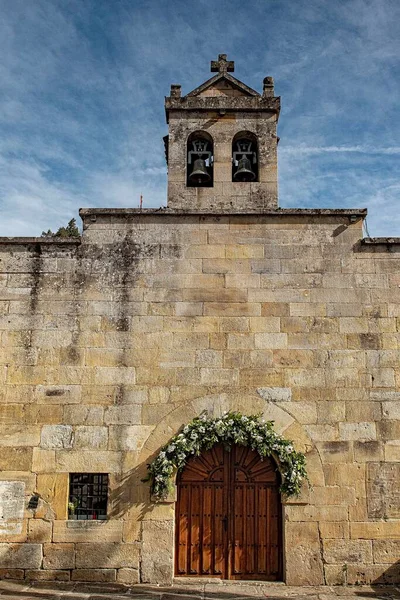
{"x":70,"y":231}
{"x":232,"y":428}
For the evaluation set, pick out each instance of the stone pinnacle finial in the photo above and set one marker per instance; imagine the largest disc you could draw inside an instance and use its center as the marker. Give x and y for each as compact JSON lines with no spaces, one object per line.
{"x":222,"y":65}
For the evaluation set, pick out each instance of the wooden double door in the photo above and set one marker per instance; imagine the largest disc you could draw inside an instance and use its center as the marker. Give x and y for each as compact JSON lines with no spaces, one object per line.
{"x":228,"y":516}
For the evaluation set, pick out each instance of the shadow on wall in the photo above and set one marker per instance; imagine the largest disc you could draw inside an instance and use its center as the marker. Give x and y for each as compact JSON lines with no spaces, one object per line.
{"x":379,"y":585}
{"x":390,"y":576}
{"x":128,"y":492}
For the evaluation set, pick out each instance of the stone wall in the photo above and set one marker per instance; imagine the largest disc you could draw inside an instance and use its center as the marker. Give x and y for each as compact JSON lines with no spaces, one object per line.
{"x":109,"y":346}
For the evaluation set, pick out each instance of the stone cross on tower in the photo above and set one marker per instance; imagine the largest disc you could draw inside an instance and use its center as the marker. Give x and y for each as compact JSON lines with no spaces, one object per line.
{"x":222,"y":65}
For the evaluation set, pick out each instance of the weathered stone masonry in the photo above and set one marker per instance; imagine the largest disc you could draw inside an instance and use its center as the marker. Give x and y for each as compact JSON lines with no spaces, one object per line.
{"x":110,"y":343}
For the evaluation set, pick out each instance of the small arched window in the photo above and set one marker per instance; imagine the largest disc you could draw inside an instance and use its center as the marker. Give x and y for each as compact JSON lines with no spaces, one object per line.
{"x":244,"y":157}
{"x":200,"y":160}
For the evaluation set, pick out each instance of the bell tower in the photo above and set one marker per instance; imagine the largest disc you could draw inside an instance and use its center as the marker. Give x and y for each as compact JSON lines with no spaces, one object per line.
{"x":221,"y":146}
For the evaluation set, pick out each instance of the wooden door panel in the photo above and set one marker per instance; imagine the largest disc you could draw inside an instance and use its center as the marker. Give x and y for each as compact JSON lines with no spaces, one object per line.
{"x":208,"y":528}
{"x":182,"y":526}
{"x":219,"y":535}
{"x":195,"y":541}
{"x":228,"y":520}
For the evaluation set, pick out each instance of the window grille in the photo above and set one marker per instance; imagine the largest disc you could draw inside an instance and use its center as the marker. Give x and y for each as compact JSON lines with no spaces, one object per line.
{"x":88,"y":496}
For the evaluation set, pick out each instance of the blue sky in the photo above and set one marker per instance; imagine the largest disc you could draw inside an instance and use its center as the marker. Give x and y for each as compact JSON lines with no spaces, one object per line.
{"x":82,"y":86}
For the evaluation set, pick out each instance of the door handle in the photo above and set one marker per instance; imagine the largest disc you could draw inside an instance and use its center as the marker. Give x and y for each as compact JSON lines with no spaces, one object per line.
{"x":225,"y":522}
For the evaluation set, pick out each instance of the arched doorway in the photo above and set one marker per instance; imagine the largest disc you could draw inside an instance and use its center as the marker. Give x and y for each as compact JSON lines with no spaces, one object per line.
{"x":228,"y":516}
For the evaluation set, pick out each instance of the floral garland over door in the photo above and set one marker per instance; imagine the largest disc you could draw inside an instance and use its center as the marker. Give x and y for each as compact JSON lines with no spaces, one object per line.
{"x":232,"y":428}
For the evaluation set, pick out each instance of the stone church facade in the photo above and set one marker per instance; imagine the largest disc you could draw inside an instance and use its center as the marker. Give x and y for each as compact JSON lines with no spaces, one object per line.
{"x":111,"y":343}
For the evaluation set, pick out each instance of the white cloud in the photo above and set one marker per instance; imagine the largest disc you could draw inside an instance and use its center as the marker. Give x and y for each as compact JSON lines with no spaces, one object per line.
{"x":339,"y":149}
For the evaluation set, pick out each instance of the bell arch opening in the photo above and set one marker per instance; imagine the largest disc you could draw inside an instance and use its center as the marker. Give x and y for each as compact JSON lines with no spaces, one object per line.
{"x":200,"y":160}
{"x":244,"y":157}
{"x":228,"y":516}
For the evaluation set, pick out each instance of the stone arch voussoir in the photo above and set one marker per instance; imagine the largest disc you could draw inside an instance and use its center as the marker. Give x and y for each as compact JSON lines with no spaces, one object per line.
{"x":247,"y":403}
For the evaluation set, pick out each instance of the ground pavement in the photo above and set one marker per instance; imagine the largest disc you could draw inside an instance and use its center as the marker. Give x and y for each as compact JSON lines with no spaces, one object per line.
{"x":195,"y":590}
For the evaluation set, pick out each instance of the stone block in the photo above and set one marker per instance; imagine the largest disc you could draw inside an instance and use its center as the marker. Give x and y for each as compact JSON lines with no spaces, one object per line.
{"x":312,"y":513}
{"x":336,"y":452}
{"x":131,"y":437}
{"x":276,"y":309}
{"x":232,"y":309}
{"x":15,"y":459}
{"x":19,"y":435}
{"x":107,"y":555}
{"x":50,"y":575}
{"x":240,"y":341}
{"x":357,"y":431}
{"x":90,"y":461}
{"x":347,"y":551}
{"x":303,"y":556}
{"x":42,"y":415}
{"x":270,"y":340}
{"x":234,"y":251}
{"x":372,"y":574}
{"x":58,"y":394}
{"x":53,"y":489}
{"x":81,"y":414}
{"x":11,"y":413}
{"x":209,"y":358}
{"x":335,"y":574}
{"x":388,"y":430}
{"x":157,"y":552}
{"x":344,"y":474}
{"x":90,"y":437}
{"x":331,"y":412}
{"x":12,"y":500}
{"x":56,"y":436}
{"x":128,"y":576}
{"x":39,"y":531}
{"x":334,"y":530}
{"x":391,"y":410}
{"x":242,"y":280}
{"x":261,"y":377}
{"x":282,"y":420}
{"x":368,"y":451}
{"x":392,"y":451}
{"x":94,"y":575}
{"x":275,"y":394}
{"x":320,"y":433}
{"x":114,"y":376}
{"x":123,"y":415}
{"x":11,"y":574}
{"x":362,"y":411}
{"x":386,"y":551}
{"x":309,"y":378}
{"x":43,"y":461}
{"x":58,"y":556}
{"x":336,"y":495}
{"x":20,"y":556}
{"x":87,"y":531}
{"x":188,"y":309}
{"x":219,"y":376}
{"x":375,"y":530}
{"x":383,"y":490}
{"x":206,"y":251}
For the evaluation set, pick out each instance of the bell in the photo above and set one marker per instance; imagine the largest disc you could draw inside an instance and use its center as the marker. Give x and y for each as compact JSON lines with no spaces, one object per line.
{"x":244,"y":172}
{"x":199,"y":173}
